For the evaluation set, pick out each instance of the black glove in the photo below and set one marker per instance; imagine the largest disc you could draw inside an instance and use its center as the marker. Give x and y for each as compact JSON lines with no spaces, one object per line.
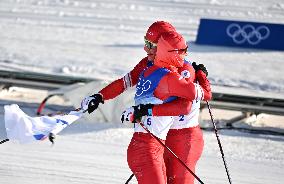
{"x":142,"y":110}
{"x":51,"y":137}
{"x":94,"y":103}
{"x":200,"y":67}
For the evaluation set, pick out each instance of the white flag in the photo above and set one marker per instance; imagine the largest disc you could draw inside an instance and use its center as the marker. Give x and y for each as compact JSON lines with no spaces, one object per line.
{"x":26,"y":129}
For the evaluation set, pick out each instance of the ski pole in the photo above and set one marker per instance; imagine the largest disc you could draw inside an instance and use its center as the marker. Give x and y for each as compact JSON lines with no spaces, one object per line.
{"x":3,"y":141}
{"x":131,"y":176}
{"x":52,"y":136}
{"x":167,"y":148}
{"x":219,"y":142}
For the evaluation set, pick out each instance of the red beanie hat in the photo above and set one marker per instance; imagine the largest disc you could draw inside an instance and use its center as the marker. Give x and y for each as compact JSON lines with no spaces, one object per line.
{"x":170,"y":41}
{"x":156,"y":29}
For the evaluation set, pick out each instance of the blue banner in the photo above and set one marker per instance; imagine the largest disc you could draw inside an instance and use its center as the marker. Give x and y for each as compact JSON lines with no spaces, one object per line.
{"x":241,"y":34}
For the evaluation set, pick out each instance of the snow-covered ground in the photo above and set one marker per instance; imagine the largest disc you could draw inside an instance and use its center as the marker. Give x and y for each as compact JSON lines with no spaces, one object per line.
{"x":96,"y":153}
{"x":104,"y":39}
{"x":88,"y":152}
{"x":92,"y":152}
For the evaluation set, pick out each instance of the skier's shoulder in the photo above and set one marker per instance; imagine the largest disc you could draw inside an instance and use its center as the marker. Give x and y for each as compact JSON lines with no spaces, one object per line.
{"x":144,"y":61}
{"x":187,"y":70}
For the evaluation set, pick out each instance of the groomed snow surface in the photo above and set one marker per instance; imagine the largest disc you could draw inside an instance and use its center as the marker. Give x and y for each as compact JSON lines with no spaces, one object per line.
{"x":95,"y":152}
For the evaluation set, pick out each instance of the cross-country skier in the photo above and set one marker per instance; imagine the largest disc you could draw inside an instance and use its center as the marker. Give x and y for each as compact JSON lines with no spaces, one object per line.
{"x":175,"y":108}
{"x":160,"y":84}
{"x":185,"y":137}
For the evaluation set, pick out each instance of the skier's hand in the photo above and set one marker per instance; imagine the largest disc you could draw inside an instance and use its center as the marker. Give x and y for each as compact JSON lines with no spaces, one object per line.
{"x":136,"y":112}
{"x":127,"y":115}
{"x":142,"y":110}
{"x":91,"y":103}
{"x":51,"y":137}
{"x":200,"y":67}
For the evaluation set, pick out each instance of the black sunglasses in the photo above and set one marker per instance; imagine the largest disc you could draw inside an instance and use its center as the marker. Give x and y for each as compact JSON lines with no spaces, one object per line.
{"x":180,"y":51}
{"x":149,"y":44}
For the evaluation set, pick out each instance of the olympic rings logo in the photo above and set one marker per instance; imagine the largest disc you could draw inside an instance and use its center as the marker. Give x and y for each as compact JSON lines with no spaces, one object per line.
{"x":247,"y":33}
{"x":142,"y":88}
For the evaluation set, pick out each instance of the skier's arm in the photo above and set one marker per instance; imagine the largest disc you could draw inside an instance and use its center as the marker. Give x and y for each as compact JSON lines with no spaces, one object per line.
{"x":205,"y":84}
{"x":190,"y":91}
{"x":180,"y":106}
{"x":173,"y":85}
{"x":201,"y":78}
{"x":114,"y":89}
{"x":177,"y":107}
{"x":120,"y":85}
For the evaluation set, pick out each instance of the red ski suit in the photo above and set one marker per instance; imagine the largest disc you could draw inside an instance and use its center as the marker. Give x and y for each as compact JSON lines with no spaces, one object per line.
{"x":175,"y":108}
{"x":186,"y":143}
{"x":145,"y":154}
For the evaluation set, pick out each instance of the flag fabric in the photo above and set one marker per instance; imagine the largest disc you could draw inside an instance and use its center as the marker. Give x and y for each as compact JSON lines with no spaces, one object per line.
{"x":25,"y":129}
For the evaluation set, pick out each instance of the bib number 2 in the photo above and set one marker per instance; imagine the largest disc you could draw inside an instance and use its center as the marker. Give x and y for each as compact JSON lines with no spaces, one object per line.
{"x":181,"y":117}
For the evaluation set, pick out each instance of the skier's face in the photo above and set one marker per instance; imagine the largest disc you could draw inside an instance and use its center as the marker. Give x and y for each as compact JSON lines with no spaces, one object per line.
{"x":181,"y":52}
{"x":150,"y":48}
{"x":151,"y":52}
